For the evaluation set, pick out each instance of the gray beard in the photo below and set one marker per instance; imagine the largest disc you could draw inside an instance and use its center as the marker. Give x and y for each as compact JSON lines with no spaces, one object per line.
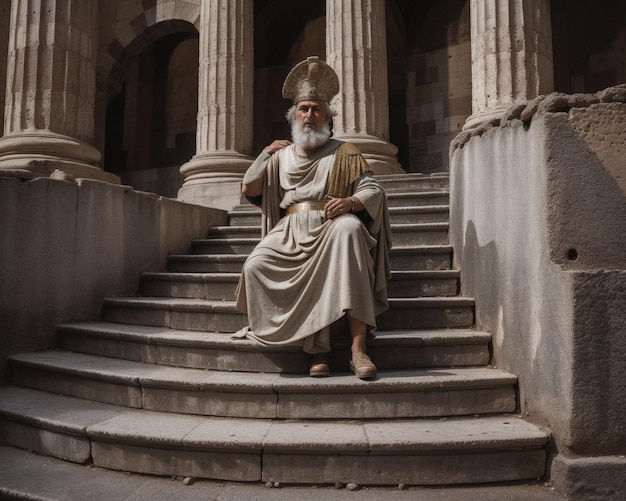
{"x":310,"y":138}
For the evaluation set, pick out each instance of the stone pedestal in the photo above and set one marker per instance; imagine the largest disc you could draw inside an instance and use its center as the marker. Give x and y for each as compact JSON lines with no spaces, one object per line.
{"x":356,"y":47}
{"x":50,"y":90}
{"x":225,"y":90}
{"x":511,"y":55}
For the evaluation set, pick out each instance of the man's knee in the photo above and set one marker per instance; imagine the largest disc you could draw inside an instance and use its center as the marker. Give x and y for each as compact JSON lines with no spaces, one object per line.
{"x":349,"y":225}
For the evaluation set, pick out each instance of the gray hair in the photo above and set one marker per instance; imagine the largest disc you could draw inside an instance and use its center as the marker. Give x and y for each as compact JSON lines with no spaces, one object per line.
{"x":330,"y":113}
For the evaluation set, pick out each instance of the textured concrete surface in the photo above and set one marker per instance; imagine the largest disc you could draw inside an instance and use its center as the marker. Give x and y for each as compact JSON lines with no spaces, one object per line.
{"x":28,"y":476}
{"x":556,"y":310}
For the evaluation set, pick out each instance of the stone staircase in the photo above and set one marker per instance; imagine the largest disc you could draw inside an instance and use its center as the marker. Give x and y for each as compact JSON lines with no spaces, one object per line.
{"x":158,"y":386}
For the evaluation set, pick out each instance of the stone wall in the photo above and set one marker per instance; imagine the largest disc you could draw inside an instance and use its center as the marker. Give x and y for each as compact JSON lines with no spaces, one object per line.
{"x":65,"y":246}
{"x":439,"y":85}
{"x":538,"y":223}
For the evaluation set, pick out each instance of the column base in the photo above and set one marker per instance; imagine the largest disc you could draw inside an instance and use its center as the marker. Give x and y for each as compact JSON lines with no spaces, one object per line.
{"x":43,"y":152}
{"x":214,"y":179}
{"x":599,"y":477}
{"x":380,"y":154}
{"x":483,"y":117}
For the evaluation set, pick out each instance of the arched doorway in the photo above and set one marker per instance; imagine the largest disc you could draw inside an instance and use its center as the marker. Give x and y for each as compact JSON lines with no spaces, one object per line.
{"x":150,"y":126}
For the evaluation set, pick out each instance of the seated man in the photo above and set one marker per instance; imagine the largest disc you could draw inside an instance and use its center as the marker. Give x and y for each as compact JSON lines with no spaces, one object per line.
{"x":324,"y":253}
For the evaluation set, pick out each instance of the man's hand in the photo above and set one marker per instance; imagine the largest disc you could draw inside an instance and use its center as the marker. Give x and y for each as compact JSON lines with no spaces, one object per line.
{"x":276,"y":145}
{"x":338,"y":206}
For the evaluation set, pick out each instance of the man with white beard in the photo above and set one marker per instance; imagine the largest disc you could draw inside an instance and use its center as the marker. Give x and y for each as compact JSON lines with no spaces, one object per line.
{"x":326,"y":237}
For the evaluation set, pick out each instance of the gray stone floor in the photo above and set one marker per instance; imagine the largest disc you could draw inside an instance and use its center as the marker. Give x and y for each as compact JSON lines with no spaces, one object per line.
{"x":29,"y":476}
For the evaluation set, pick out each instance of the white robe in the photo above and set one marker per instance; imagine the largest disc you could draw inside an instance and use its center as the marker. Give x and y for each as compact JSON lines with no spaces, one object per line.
{"x":309,"y":271}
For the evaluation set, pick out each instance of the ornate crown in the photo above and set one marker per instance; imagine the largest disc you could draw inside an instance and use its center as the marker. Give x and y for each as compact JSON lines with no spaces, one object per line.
{"x":311,"y":79}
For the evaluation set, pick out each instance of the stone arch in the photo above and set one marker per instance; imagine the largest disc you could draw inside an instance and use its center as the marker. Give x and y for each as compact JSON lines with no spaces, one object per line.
{"x":138,"y":145}
{"x":115,"y":60}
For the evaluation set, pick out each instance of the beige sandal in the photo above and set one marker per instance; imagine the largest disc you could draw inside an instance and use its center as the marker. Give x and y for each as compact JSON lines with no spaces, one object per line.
{"x":362,"y":366}
{"x":319,"y":366}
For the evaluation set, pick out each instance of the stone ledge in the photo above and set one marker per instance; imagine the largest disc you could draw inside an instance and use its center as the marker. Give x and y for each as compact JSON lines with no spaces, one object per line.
{"x":556,"y":102}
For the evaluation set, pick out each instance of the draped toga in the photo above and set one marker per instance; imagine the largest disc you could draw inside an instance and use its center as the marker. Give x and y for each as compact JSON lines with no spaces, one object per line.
{"x":308,"y":271}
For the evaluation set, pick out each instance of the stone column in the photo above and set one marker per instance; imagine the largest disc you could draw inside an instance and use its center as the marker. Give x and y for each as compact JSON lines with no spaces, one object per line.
{"x":50,"y":89}
{"x":511,"y":55}
{"x":356,"y":48}
{"x":225,"y":91}
{"x":5,"y":16}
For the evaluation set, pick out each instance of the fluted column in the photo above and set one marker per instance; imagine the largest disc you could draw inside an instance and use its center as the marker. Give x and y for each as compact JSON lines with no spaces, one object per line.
{"x":50,"y":89}
{"x":225,"y":91}
{"x":356,"y":48}
{"x":5,"y":16}
{"x":511,"y":55}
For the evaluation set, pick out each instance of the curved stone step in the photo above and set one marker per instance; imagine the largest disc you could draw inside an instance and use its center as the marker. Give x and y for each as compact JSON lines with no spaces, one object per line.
{"x":230,"y":244}
{"x":420,"y":214}
{"x":190,"y":285}
{"x":419,"y":234}
{"x":420,"y":257}
{"x":222,"y":316}
{"x":206,"y":263}
{"x":427,"y":313}
{"x":412,"y":199}
{"x":242,"y":239}
{"x":407,"y":257}
{"x":216,"y":351}
{"x":411,"y":451}
{"x":175,"y":313}
{"x":414,"y":181}
{"x":397,"y":215}
{"x":424,"y":283}
{"x":392,"y":395}
{"x":217,"y":286}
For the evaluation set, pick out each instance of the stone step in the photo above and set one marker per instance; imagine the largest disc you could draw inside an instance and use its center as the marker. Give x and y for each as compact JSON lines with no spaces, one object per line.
{"x":411,"y":451}
{"x":405,"y":258}
{"x":421,"y":215}
{"x":221,"y":316}
{"x":223,"y":285}
{"x":391,"y":350}
{"x":238,"y":239}
{"x":206,"y":263}
{"x":404,"y":214}
{"x":175,"y":313}
{"x":227,"y":244}
{"x":392,"y":395}
{"x":420,"y":257}
{"x":419,"y":234}
{"x":414,"y":182}
{"x":413,"y":199}
{"x":190,"y":285}
{"x":427,"y":313}
{"x":424,"y":283}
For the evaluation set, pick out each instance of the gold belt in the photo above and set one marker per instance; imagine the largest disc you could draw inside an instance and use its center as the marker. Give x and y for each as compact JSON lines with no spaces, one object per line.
{"x":303,"y":206}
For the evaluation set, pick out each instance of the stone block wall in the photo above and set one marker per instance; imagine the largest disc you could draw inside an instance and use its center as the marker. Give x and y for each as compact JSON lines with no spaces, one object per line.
{"x":538,"y":223}
{"x":439,"y":86}
{"x":65,"y":246}
{"x":589,"y":44}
